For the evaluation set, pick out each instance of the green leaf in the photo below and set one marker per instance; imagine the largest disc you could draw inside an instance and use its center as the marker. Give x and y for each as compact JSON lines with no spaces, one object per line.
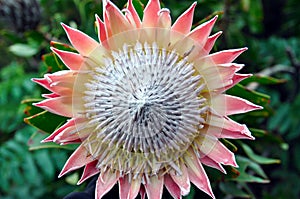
{"x":72,"y":179}
{"x":244,"y":165}
{"x":41,"y":121}
{"x":265,"y":80}
{"x":53,"y":63}
{"x":139,"y":6}
{"x":62,"y":46}
{"x":230,"y":188}
{"x":35,"y":143}
{"x":229,"y":145}
{"x":23,"y":50}
{"x":257,"y":158}
{"x":258,"y":132}
{"x":31,"y":110}
{"x":253,"y":96}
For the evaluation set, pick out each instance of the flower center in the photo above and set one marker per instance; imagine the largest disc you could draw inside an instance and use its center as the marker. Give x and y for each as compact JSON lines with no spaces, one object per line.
{"x":144,"y":103}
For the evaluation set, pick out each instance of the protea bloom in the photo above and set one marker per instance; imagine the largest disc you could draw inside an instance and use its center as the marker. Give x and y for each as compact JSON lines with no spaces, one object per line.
{"x":146,"y":102}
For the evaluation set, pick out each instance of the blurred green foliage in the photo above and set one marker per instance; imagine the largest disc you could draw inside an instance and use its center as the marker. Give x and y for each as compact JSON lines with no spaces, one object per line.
{"x":268,"y":28}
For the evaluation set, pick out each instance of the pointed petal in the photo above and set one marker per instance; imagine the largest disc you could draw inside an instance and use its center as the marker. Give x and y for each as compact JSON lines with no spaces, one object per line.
{"x":235,"y":105}
{"x":60,"y":106}
{"x":69,"y":123}
{"x":142,"y":192}
{"x":89,"y":170}
{"x":222,"y":155}
{"x":223,"y":122}
{"x":124,"y":187}
{"x":118,"y":22}
{"x":184,"y":22}
{"x":223,"y":105}
{"x":211,"y":163}
{"x":128,"y":190}
{"x":134,"y":14}
{"x":43,"y":82}
{"x":154,"y":188}
{"x":218,"y":76}
{"x":82,"y":42}
{"x":241,"y":132}
{"x":72,"y":60}
{"x":164,"y":18}
{"x":150,"y":17}
{"x":235,"y":80}
{"x":107,"y":25}
{"x":60,"y":80}
{"x":226,"y":56}
{"x":183,"y":180}
{"x":101,"y":30}
{"x":172,"y":187}
{"x":211,"y":41}
{"x":70,"y":131}
{"x":201,"y":33}
{"x":78,"y":159}
{"x":105,"y":185}
{"x":228,"y":127}
{"x":50,"y":95}
{"x":197,"y":175}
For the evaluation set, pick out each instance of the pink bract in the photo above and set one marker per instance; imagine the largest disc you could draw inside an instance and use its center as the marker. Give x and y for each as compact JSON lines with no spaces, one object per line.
{"x":146,"y":102}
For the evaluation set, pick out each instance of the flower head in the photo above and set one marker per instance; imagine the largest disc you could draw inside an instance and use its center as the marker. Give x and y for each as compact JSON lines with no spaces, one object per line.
{"x":146,"y":102}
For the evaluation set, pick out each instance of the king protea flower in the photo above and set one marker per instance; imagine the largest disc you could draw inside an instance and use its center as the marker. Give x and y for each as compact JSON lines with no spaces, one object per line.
{"x":146,"y":102}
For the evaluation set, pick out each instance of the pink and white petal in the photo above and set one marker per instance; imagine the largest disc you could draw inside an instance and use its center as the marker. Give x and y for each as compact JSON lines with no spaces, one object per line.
{"x":223,"y":122}
{"x":128,"y":190}
{"x":211,"y":74}
{"x":142,"y":192}
{"x":226,"y":56}
{"x":134,"y":14}
{"x":242,"y":132}
{"x":68,"y":124}
{"x":82,"y":42}
{"x":72,"y":60}
{"x":211,"y":163}
{"x":63,"y":77}
{"x":172,"y":187}
{"x":183,"y":180}
{"x":200,"y":34}
{"x":150,"y":17}
{"x":101,"y":30}
{"x":66,"y":137}
{"x":124,"y":187}
{"x":78,"y":159}
{"x":43,"y":82}
{"x":89,"y":170}
{"x":154,"y":188}
{"x":230,"y":105}
{"x":134,"y":189}
{"x":235,"y":105}
{"x":60,"y":82}
{"x":107,"y":25}
{"x":105,"y":183}
{"x":60,"y":105}
{"x":50,"y":95}
{"x":164,"y":18}
{"x":197,"y":174}
{"x":184,"y":22}
{"x":235,"y":80}
{"x":71,"y":131}
{"x":118,"y":22}
{"x":78,"y":141}
{"x":222,"y":155}
{"x":210,"y":42}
